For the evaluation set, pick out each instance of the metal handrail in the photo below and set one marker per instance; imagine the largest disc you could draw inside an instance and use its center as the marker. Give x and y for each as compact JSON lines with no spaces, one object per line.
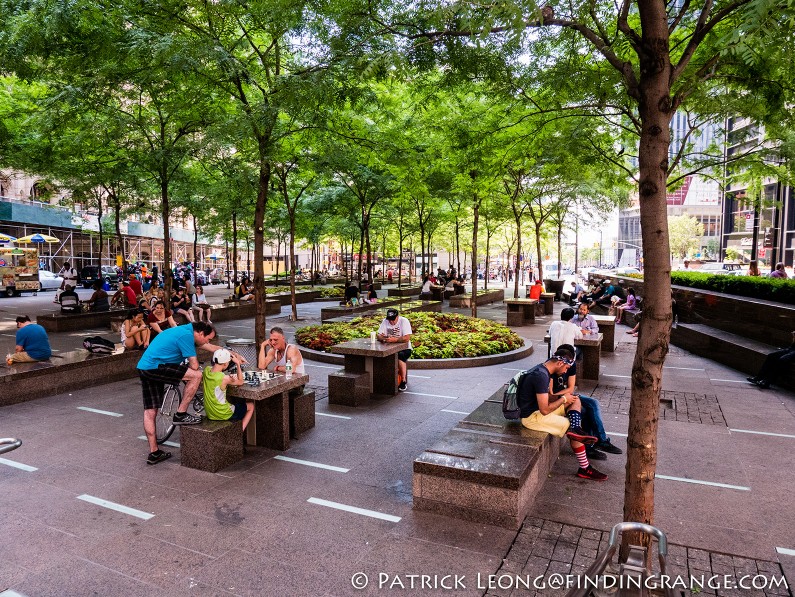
{"x":7,"y":444}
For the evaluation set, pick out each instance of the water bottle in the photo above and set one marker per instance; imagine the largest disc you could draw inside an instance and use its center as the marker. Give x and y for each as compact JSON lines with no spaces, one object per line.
{"x":288,"y":369}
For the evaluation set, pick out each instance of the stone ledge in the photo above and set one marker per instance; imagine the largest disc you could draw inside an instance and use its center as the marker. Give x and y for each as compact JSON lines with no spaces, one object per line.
{"x":486,"y":469}
{"x":458,"y":363}
{"x":68,"y":371}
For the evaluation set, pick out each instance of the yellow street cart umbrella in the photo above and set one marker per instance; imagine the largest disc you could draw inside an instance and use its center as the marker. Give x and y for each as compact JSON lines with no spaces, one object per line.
{"x":5,"y":238}
{"x":38,"y":238}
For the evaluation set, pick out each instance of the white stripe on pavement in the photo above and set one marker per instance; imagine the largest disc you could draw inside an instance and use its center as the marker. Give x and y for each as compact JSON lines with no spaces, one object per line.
{"x":685,"y":368}
{"x":330,"y":415}
{"x":172,"y":444}
{"x":617,"y":434}
{"x":609,"y":375}
{"x":354,"y":509}
{"x":11,"y":593}
{"x":782,"y":550}
{"x":101,"y":412}
{"x":457,"y":412}
{"x":19,"y":465}
{"x":698,"y":482}
{"x":432,"y":395}
{"x":762,"y":433}
{"x":321,"y":366}
{"x":327,"y":467}
{"x":730,"y":380}
{"x":415,"y":376}
{"x":114,"y":506}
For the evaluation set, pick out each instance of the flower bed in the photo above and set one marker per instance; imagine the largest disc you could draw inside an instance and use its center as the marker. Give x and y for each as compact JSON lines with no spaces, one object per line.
{"x":436,"y":335}
{"x":332,"y":292}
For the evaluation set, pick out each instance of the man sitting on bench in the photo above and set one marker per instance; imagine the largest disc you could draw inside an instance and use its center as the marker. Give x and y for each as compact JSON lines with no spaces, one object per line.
{"x":557,"y":415}
{"x":774,"y":364}
{"x":70,"y":302}
{"x":591,"y":412}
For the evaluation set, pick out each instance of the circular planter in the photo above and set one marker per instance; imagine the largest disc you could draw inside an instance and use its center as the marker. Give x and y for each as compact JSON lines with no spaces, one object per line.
{"x":459,"y":363}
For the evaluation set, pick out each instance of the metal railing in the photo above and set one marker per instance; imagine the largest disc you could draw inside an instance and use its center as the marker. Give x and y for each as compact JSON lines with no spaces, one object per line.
{"x":7,"y":444}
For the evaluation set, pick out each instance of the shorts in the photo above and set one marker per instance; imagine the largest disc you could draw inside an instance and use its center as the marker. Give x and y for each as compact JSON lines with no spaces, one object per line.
{"x":555,"y":423}
{"x":404,"y":355}
{"x":240,"y":409}
{"x":153,"y":382}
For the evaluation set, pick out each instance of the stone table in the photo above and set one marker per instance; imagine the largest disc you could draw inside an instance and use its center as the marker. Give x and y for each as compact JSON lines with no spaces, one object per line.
{"x":370,"y":371}
{"x":591,"y":347}
{"x":607,"y":325}
{"x":270,"y":425}
{"x":521,"y":311}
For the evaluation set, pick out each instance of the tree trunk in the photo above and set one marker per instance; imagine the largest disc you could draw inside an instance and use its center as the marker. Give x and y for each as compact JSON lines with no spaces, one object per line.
{"x":234,"y":248}
{"x":99,"y":220}
{"x":226,"y":242}
{"x":369,"y":251}
{"x":486,"y":268}
{"x":119,"y":235}
{"x":293,"y":304}
{"x":195,"y":248}
{"x":518,"y":264}
{"x":476,"y":215}
{"x":540,"y":275}
{"x":458,"y":244}
{"x":655,"y":328}
{"x":361,"y":261}
{"x":260,"y":323}
{"x":166,"y":236}
{"x":560,"y":234}
{"x":278,"y":258}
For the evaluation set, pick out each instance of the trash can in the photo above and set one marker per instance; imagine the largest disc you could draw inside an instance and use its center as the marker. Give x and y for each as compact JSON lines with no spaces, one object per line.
{"x":246,"y":347}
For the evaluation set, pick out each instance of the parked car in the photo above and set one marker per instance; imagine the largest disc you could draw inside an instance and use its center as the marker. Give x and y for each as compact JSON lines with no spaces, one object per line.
{"x":719,"y":267}
{"x":216,"y":276}
{"x":49,"y":280}
{"x":92,"y":273}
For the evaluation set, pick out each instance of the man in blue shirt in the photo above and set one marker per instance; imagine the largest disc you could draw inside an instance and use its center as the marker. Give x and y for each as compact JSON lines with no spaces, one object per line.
{"x":32,"y":344}
{"x":170,"y":359}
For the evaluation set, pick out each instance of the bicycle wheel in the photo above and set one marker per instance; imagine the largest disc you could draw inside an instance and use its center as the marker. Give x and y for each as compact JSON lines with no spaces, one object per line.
{"x":164,"y":420}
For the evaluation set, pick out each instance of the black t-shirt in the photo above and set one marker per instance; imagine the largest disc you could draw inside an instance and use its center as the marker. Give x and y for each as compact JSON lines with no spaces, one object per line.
{"x":559,"y":382}
{"x":535,"y":382}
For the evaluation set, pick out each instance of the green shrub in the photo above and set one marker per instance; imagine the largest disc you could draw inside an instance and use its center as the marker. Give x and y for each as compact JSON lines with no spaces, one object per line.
{"x":770,"y":289}
{"x":436,"y":335}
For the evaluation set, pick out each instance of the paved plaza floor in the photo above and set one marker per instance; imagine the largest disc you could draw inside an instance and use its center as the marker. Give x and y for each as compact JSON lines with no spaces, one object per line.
{"x":82,"y":513}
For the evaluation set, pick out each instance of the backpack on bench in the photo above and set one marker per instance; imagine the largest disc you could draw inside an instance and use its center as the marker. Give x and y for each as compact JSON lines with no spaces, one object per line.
{"x":510,"y":404}
{"x":98,"y":345}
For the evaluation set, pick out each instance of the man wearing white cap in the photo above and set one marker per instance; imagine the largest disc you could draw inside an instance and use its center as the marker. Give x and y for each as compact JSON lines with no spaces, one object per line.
{"x":397,"y":329}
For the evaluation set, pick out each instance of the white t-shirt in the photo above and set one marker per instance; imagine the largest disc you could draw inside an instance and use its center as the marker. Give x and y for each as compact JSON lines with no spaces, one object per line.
{"x":400,"y":328}
{"x":562,"y":332}
{"x":426,"y":288}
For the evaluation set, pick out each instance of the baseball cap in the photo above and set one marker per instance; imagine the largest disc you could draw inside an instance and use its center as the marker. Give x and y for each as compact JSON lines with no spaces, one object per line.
{"x":391,"y":314}
{"x":222,"y":356}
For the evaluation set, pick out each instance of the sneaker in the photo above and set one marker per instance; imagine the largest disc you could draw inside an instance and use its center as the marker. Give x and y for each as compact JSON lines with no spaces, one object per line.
{"x":159,"y":456}
{"x":753,"y":380}
{"x":402,"y":386}
{"x":594,"y":454}
{"x":763,"y":383}
{"x":186,"y":419}
{"x":577,"y":434}
{"x":591,"y":473}
{"x":607,"y":446}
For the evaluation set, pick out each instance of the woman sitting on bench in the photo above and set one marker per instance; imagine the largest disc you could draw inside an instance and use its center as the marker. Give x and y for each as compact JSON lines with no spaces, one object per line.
{"x":134,"y":331}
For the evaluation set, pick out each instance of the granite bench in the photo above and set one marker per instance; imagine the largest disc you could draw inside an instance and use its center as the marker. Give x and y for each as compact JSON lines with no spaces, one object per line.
{"x":301,"y":296}
{"x":67,"y":371}
{"x":486,"y":469}
{"x":738,"y":352}
{"x":364,"y":308}
{"x":212,"y":445}
{"x":404,"y":291}
{"x":77,"y":322}
{"x":302,"y":413}
{"x":464,"y":301}
{"x":591,"y":347}
{"x":227,"y":312}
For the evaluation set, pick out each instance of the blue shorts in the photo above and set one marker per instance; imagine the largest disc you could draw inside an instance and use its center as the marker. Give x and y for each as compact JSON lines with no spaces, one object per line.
{"x":240,"y":410}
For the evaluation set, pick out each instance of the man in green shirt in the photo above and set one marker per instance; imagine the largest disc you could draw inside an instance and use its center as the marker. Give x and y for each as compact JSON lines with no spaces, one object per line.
{"x":215,"y":381}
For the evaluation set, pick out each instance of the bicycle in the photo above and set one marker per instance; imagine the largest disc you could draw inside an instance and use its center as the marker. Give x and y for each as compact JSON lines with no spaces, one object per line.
{"x":164,"y":420}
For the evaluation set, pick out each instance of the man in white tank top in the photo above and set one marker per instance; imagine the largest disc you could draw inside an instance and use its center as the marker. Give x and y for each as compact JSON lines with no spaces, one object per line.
{"x":276,"y":350}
